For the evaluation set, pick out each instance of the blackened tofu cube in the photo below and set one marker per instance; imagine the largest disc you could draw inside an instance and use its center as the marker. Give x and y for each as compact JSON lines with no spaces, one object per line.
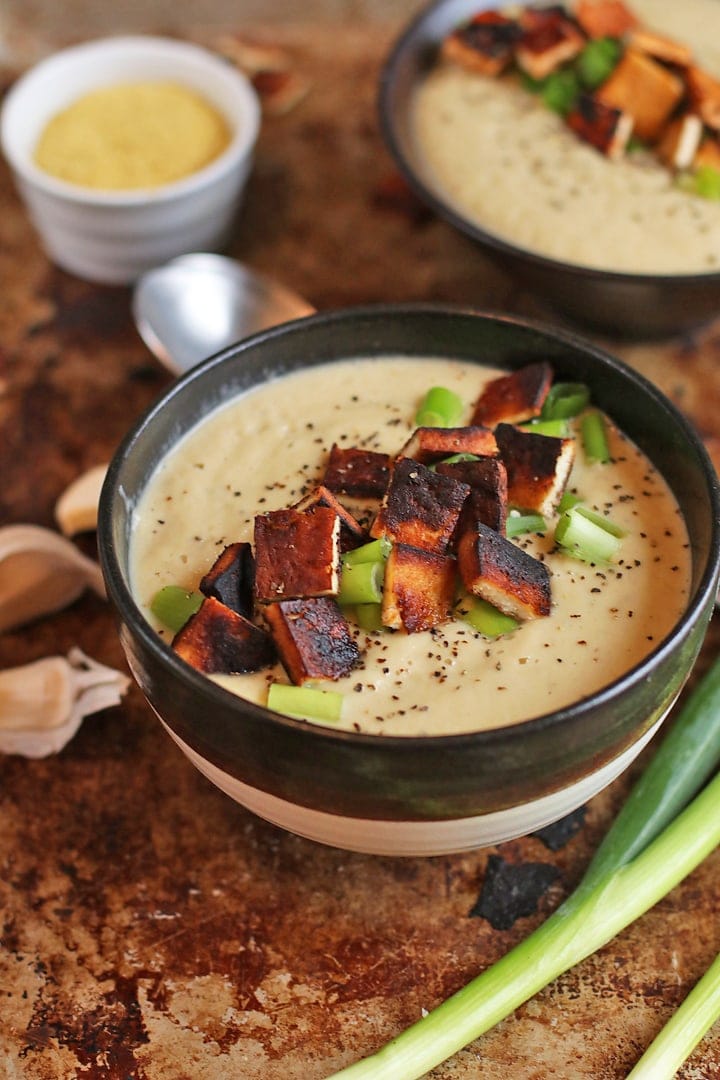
{"x":485,"y":45}
{"x":496,"y":570}
{"x":680,"y":141}
{"x":231,"y":579}
{"x":363,"y":474}
{"x":645,"y":90}
{"x":420,"y":508}
{"x":419,"y":589}
{"x":352,"y":534}
{"x":603,"y":126}
{"x":538,"y":467}
{"x":216,"y":640}
{"x":488,"y":498}
{"x":663,"y":48}
{"x":604,"y":18}
{"x":296,"y":554}
{"x":313,"y":639}
{"x":430,"y":444}
{"x":704,"y":93}
{"x":515,"y":397}
{"x":549,"y":39}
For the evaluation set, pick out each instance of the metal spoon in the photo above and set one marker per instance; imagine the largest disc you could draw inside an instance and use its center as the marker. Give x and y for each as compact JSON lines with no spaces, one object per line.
{"x":195,"y":305}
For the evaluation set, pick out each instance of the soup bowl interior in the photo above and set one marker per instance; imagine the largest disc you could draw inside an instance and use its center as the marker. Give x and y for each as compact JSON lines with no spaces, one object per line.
{"x":620,"y":304}
{"x":411,"y":795}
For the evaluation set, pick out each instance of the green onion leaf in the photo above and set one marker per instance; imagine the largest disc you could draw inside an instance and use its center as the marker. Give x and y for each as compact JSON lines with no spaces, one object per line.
{"x":374,"y":551}
{"x":560,"y":90}
{"x":556,"y":429}
{"x":518,"y":523}
{"x":439,"y":408}
{"x":567,"y":500}
{"x":565,"y":400}
{"x":369,"y":617}
{"x":362,"y":583}
{"x":173,"y":606}
{"x":594,"y":437}
{"x":706,"y":182}
{"x":484,"y":618}
{"x":597,"y":61}
{"x":305,"y":702}
{"x":586,"y":539}
{"x":622,"y":883}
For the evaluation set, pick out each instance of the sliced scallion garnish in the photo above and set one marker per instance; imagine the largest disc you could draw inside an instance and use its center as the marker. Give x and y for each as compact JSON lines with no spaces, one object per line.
{"x":173,"y":605}
{"x":362,"y":583}
{"x":585,"y":538}
{"x":484,"y":618}
{"x":369,"y":617}
{"x":439,"y":408}
{"x":305,"y":702}
{"x":373,"y":551}
{"x":594,"y":437}
{"x":558,"y":429}
{"x":565,"y":400}
{"x":519,"y":523}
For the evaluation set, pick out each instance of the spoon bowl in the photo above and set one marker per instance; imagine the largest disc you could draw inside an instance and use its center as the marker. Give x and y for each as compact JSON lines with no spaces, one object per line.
{"x":196,"y":305}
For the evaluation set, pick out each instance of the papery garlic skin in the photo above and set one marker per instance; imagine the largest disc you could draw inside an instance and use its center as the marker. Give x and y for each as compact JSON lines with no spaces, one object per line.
{"x":41,"y":572}
{"x":42,"y":704}
{"x":77,"y":508}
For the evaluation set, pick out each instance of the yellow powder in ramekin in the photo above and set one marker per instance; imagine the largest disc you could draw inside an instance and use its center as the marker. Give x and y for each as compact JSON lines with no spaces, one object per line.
{"x":132,"y":135}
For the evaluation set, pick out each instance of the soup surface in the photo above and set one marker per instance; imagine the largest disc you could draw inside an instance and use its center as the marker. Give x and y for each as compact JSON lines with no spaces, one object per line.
{"x":266,"y":448}
{"x":511,"y":166}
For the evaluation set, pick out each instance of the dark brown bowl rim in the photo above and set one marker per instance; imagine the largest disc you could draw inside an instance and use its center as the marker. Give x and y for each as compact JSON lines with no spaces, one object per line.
{"x":119,"y":591}
{"x":405,"y":43}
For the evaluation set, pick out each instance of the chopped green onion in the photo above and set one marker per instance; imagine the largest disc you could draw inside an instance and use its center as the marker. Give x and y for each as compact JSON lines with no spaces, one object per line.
{"x":567,"y":500}
{"x":173,"y":605}
{"x":484,"y":618}
{"x":600,"y":519}
{"x":594,"y":437}
{"x":585,"y":538}
{"x":597,"y":60}
{"x":565,"y":400}
{"x":560,"y":90}
{"x":439,"y":408}
{"x":369,"y":617}
{"x":362,"y":583}
{"x":557,"y":429}
{"x":305,"y":702}
{"x":458,"y":457}
{"x":706,"y":182}
{"x":628,"y":881}
{"x":517,"y":524}
{"x":374,"y":551}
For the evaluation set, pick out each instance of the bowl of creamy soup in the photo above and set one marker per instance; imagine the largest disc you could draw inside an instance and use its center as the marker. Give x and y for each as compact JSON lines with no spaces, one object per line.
{"x":593,"y":208}
{"x":129,"y":151}
{"x":380,"y":581}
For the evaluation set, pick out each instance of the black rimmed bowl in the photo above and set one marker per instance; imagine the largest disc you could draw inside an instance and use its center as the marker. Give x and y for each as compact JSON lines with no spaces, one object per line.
{"x":423,"y":795}
{"x":620,"y":304}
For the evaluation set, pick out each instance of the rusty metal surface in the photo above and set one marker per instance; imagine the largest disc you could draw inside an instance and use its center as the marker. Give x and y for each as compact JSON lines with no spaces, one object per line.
{"x":150,"y":927}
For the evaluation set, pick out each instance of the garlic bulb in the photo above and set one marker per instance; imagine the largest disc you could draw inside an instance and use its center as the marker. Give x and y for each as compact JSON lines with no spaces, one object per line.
{"x":40,"y":572}
{"x":42,"y":704}
{"x":76,"y":509}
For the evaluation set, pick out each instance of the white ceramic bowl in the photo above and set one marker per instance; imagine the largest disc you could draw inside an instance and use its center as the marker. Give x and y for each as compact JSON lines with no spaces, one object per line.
{"x":112,"y":237}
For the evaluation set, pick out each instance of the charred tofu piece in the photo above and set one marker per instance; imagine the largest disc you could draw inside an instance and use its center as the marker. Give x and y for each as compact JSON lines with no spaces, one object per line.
{"x":363,"y":474}
{"x":216,"y":640}
{"x":485,"y":45}
{"x":643,"y":88}
{"x":660,"y":47}
{"x":495,"y":569}
{"x":352,"y":534}
{"x":430,"y":444}
{"x":420,"y":507}
{"x":488,"y":498}
{"x":312,"y":638}
{"x":538,"y":467}
{"x":606,"y":128}
{"x":419,"y":589}
{"x":604,"y":18}
{"x":296,"y":554}
{"x":680,"y":142}
{"x":704,"y":93}
{"x":231,"y":579}
{"x":708,"y":154}
{"x":515,"y":397}
{"x":549,"y":39}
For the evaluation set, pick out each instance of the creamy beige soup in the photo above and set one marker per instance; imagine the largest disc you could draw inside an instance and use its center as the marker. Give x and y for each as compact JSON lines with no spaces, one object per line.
{"x":510,"y":165}
{"x":264,"y":449}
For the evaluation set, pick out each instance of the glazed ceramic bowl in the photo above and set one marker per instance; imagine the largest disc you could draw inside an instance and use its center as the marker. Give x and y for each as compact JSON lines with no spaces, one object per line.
{"x":619,"y":304}
{"x":422,"y":795}
{"x":112,"y":237}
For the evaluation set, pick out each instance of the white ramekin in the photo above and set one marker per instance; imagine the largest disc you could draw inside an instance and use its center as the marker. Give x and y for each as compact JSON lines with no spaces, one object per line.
{"x":112,"y":237}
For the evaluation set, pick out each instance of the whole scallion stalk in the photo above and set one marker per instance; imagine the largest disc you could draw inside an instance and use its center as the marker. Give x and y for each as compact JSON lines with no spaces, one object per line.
{"x":641,"y":859}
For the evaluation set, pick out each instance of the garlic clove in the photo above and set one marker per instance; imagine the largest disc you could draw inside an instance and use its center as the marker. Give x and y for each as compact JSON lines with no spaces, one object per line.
{"x":76,"y":509}
{"x":41,"y":572}
{"x":42,"y":704}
